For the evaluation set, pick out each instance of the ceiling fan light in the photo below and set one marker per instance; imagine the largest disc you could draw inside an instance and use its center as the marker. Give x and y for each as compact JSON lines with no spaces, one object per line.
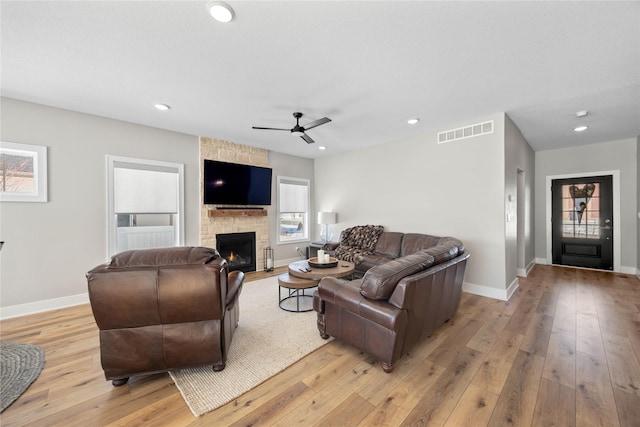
{"x":297,"y":133}
{"x":221,"y":12}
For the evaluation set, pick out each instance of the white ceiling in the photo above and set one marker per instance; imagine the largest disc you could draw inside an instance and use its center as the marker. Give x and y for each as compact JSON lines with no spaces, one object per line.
{"x":369,"y":66}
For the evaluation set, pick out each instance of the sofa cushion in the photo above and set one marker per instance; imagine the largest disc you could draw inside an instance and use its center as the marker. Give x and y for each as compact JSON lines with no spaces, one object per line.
{"x":363,"y":237}
{"x":389,"y":244}
{"x":181,"y":255}
{"x":414,"y":242}
{"x":380,"y":281}
{"x":365,"y":262}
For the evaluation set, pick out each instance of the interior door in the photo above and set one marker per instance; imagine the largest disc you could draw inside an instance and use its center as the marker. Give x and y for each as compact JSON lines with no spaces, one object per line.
{"x":582,"y":222}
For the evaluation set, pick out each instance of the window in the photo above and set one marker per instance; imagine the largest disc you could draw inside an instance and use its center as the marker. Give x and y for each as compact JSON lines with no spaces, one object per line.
{"x":23,"y":172}
{"x":581,"y":211}
{"x":293,"y":209}
{"x":146,"y":204}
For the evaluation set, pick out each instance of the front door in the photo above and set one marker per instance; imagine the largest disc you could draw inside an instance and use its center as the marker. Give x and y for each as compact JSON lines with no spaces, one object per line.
{"x":582,"y":222}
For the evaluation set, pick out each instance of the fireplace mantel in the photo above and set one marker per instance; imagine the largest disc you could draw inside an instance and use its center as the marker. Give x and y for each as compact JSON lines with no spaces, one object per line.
{"x":217,"y":213}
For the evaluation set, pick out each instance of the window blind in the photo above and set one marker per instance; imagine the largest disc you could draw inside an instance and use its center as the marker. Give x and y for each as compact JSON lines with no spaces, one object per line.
{"x":294,"y":196}
{"x":145,"y":191}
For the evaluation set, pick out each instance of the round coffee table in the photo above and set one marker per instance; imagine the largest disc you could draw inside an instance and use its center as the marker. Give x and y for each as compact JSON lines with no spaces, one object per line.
{"x":301,"y":277}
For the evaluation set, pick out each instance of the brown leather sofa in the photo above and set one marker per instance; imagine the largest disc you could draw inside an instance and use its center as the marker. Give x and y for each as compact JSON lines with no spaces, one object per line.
{"x":164,"y":309}
{"x":368,"y":246}
{"x":398,"y":302}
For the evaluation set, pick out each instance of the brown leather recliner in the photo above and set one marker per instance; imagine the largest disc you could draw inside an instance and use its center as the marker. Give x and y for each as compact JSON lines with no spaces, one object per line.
{"x":396,"y":304}
{"x":164,"y":309}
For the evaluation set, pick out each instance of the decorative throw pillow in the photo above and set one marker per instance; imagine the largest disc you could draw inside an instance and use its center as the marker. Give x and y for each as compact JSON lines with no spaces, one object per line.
{"x":348,"y":253}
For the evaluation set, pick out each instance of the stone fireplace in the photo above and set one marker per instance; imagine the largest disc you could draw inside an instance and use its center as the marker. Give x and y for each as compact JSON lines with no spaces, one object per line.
{"x":211,"y":226}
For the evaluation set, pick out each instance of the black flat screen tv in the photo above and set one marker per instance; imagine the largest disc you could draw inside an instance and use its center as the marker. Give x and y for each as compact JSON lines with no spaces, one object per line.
{"x":236,"y":184}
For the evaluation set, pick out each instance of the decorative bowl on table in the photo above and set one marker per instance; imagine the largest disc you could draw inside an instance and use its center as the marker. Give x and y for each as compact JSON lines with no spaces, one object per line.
{"x":313,"y":262}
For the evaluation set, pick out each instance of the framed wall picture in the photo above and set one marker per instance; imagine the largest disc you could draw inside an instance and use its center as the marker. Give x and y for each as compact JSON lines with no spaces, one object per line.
{"x":23,"y":172}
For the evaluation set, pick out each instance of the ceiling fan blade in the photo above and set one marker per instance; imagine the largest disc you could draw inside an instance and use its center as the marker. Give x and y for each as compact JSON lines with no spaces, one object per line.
{"x":256,"y":127}
{"x":307,"y":139}
{"x":317,"y":123}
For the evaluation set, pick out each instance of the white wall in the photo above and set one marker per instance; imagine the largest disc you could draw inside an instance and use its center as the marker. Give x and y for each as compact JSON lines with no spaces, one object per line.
{"x":608,"y":156}
{"x":295,"y":167}
{"x":50,"y":246}
{"x":416,"y":185}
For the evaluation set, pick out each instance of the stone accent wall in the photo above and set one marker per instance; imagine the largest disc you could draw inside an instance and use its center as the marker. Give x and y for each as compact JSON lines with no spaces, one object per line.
{"x":215,"y":149}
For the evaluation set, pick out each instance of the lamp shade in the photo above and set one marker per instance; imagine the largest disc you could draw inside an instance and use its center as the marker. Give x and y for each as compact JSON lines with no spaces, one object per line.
{"x":326,"y":217}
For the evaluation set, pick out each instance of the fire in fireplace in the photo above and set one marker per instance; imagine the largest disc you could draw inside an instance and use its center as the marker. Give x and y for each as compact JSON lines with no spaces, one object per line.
{"x":239,"y":249}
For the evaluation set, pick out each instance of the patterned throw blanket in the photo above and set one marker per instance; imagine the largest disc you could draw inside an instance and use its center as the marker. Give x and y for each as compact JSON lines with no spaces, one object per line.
{"x":357,"y":241}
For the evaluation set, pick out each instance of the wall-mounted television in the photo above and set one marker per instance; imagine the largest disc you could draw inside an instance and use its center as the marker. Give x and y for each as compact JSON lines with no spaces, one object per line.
{"x":236,"y":184}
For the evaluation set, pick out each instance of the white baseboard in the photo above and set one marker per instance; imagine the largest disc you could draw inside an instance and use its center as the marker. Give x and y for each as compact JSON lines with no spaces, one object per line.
{"x":524,"y":272}
{"x":542,"y":261}
{"x":530,"y":267}
{"x":282,"y":263}
{"x":495,"y":293}
{"x":41,"y":306}
{"x":285,"y":262}
{"x":628,"y":270}
{"x":512,"y":288}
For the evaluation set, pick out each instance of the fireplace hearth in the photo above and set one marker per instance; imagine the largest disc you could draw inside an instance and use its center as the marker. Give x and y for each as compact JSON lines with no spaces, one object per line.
{"x":239,"y":249}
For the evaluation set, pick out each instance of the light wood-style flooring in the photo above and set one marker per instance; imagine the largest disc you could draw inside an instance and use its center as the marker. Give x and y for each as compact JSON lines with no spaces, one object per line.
{"x":564,"y":351}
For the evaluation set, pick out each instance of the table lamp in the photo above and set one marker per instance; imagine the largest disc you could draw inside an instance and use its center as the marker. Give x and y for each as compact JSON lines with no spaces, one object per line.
{"x":326,"y":218}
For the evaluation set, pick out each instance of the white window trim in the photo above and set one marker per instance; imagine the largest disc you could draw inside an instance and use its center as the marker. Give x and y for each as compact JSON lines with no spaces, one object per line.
{"x":306,"y":182}
{"x":111,"y":215}
{"x":39,"y":155}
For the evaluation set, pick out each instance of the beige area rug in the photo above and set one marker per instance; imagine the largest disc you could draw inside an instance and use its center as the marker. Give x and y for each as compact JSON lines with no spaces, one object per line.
{"x":267,"y":341}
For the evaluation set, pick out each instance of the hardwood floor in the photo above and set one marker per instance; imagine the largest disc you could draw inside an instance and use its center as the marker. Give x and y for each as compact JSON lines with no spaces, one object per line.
{"x":565,"y":350}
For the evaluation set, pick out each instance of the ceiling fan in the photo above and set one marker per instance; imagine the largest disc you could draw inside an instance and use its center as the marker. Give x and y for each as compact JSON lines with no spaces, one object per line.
{"x":298,"y":130}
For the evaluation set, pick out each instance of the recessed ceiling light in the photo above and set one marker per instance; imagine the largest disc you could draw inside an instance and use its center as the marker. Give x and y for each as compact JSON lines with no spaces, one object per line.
{"x":582,"y":113}
{"x":322,"y":147}
{"x":581,"y":128}
{"x":413,"y":121}
{"x":162,"y":107}
{"x":220,"y":11}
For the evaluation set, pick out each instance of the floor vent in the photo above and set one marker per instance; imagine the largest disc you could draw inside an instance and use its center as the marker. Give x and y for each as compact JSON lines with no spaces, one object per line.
{"x":465,"y":132}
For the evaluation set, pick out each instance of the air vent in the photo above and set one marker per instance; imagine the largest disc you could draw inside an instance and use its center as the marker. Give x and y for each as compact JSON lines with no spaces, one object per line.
{"x":465,"y":132}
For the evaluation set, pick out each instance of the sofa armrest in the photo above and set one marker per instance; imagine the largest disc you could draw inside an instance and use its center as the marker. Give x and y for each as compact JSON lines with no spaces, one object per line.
{"x":347,"y":296}
{"x":403,"y":293}
{"x":379,"y":282}
{"x":330,"y":246}
{"x":235,"y":280}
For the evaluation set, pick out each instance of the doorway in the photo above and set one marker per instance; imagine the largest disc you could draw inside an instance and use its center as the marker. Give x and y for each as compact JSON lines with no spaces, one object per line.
{"x":582,"y":222}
